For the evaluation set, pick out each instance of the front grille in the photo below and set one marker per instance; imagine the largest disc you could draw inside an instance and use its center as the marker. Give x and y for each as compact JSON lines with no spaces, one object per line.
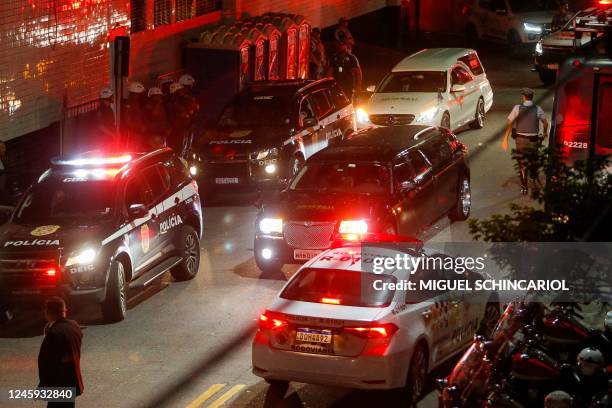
{"x":308,"y":235}
{"x":28,"y":269}
{"x":391,"y":120}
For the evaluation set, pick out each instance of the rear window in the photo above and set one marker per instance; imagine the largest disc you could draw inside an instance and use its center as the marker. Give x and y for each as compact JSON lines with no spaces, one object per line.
{"x":348,"y":288}
{"x":473,"y":63}
{"x":414,"y":81}
{"x":603,"y":137}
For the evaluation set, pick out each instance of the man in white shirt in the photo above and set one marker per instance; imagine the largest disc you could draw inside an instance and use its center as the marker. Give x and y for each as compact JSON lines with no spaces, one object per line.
{"x":524,"y":124}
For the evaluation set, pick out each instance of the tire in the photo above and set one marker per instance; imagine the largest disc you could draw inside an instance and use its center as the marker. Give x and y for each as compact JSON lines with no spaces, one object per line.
{"x":189,"y":250}
{"x":547,"y":76}
{"x":514,"y":43}
{"x":461,"y":210}
{"x":489,"y":320}
{"x":445,"y":122}
{"x":479,"y":116}
{"x":417,"y":374}
{"x":267,"y":266}
{"x":114,"y":307}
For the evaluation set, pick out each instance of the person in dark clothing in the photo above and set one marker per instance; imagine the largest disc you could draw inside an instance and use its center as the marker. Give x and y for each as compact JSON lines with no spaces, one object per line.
{"x":59,"y":359}
{"x":524,"y":125}
{"x":561,"y":16}
{"x":344,"y":67}
{"x":133,"y":119}
{"x":318,"y":58}
{"x":157,"y":125}
{"x":105,"y":121}
{"x":182,"y":111}
{"x":343,"y":35}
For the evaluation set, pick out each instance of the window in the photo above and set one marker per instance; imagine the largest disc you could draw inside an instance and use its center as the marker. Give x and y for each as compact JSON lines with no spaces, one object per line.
{"x":437,"y":151}
{"x":603,"y":138}
{"x":137,"y":15}
{"x":157,"y":181}
{"x":206,"y":6}
{"x":184,"y":9}
{"x":178,"y":172}
{"x":473,"y":63}
{"x":306,"y":110}
{"x":134,"y":192}
{"x":321,"y":103}
{"x":338,"y":97}
{"x":162,"y":12}
{"x":460,"y":76}
{"x":419,"y":164}
{"x":403,"y":173}
{"x":414,"y":81}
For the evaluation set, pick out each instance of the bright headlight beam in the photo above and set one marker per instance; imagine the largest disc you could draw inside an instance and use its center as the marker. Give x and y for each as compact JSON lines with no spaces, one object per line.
{"x":271,"y":225}
{"x":84,"y":257}
{"x":532,"y":28}
{"x":361,"y":115}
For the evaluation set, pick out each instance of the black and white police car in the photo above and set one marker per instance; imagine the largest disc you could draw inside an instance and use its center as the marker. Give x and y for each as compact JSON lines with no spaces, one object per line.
{"x":339,"y":322}
{"x":93,"y":226}
{"x":267,"y":131}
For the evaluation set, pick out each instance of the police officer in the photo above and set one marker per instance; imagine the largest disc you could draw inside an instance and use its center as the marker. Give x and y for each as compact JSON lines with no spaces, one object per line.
{"x":561,"y":16}
{"x":524,"y":125}
{"x":180,"y":111}
{"x":133,"y":116}
{"x":105,"y":120}
{"x":344,"y":67}
{"x":343,"y":35}
{"x":318,"y":59}
{"x":157,"y":125}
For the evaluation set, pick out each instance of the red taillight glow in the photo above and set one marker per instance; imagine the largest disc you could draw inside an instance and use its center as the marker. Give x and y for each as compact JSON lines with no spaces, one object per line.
{"x":50,"y":272}
{"x":330,"y":301}
{"x":605,"y":2}
{"x":376,"y":331}
{"x":268,"y":321}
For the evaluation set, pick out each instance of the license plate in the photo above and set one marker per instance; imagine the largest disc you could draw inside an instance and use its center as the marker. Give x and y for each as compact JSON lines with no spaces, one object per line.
{"x":552,"y":66}
{"x":313,"y":336}
{"x":305,"y":254}
{"x":227,"y":180}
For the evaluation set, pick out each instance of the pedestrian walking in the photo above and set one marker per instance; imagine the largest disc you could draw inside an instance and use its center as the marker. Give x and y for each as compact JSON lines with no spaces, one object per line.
{"x":59,"y":359}
{"x":343,"y":35}
{"x":344,"y":67}
{"x":105,"y":124}
{"x":318,"y":59}
{"x":524,"y":125}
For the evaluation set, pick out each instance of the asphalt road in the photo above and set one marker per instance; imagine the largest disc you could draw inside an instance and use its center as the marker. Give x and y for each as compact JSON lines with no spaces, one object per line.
{"x":188,"y":344}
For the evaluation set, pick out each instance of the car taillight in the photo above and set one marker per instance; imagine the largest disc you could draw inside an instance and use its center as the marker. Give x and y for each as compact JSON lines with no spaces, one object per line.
{"x":51,"y":272}
{"x":605,"y":2}
{"x":330,"y":301}
{"x":376,"y":331}
{"x":271,"y":321}
{"x":357,"y":227}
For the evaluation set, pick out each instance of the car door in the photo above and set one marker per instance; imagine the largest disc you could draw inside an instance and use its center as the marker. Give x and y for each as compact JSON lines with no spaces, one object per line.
{"x":324,"y":111}
{"x":414,"y":191}
{"x":343,"y":109}
{"x":462,"y":104}
{"x":445,"y":173}
{"x":176,"y":207}
{"x":157,"y":187}
{"x":141,"y":233}
{"x":309,"y":126}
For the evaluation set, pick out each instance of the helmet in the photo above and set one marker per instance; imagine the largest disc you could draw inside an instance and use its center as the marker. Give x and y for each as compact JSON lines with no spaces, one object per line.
{"x":590,"y":361}
{"x":186,"y":80}
{"x":608,"y":321}
{"x":136,"y":87}
{"x":175,"y":86}
{"x":154,"y":91}
{"x":558,"y":399}
{"x":106,"y":92}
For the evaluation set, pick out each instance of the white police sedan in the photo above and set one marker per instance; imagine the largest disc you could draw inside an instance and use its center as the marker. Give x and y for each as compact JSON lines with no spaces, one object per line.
{"x":338,"y":323}
{"x":445,"y":87}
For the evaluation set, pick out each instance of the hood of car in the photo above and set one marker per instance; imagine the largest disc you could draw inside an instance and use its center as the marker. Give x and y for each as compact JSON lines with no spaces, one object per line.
{"x":563,"y":39}
{"x":224,"y":141}
{"x":536,"y":17}
{"x":45,"y":237}
{"x":325,"y":206}
{"x":401,"y":103}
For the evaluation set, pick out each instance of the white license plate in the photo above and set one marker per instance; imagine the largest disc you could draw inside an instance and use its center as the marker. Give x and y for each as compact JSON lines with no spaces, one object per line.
{"x":227,"y":180}
{"x":552,"y":66}
{"x":305,"y":254}
{"x":313,"y":336}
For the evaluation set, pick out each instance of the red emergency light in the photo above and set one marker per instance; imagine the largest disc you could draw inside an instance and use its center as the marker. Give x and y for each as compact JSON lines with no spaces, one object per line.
{"x":95,"y":161}
{"x":604,"y":2}
{"x":51,"y":272}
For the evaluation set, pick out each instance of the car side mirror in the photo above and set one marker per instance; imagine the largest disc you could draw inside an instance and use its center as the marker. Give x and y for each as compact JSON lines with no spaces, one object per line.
{"x":371,"y":88}
{"x":407,"y":186}
{"x":138,"y":211}
{"x":458,"y":88}
{"x":501,"y":12}
{"x":309,"y":122}
{"x":5,"y":214}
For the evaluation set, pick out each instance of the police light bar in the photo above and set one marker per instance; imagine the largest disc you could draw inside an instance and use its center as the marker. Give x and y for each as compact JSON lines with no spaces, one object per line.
{"x":604,"y":2}
{"x":94,"y":161}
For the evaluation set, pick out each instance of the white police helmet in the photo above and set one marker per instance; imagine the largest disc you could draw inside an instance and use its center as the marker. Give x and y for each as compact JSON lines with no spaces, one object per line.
{"x":154,"y":91}
{"x":187,"y":80}
{"x":558,"y":399}
{"x":106,"y":92}
{"x":175,"y":86}
{"x":590,"y":361}
{"x":136,"y":87}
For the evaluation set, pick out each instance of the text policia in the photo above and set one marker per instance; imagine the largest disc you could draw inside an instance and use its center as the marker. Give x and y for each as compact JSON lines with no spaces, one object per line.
{"x":411,"y":263}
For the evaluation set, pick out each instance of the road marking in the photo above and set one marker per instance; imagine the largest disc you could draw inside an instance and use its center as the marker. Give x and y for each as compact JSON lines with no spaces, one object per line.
{"x":212,"y":390}
{"x":229,"y":394}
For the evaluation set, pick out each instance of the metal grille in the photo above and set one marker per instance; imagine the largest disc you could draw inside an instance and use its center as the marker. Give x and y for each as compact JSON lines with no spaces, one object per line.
{"x":27,"y":269}
{"x":308,"y":235}
{"x":137,"y":15}
{"x":162,"y":12}
{"x":391,"y":120}
{"x":206,"y":6}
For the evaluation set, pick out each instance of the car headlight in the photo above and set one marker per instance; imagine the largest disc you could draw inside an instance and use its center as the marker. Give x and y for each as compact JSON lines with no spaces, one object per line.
{"x":353,"y":227}
{"x":83,"y":257}
{"x":267,"y":154}
{"x":532,"y":28}
{"x":427,"y":116}
{"x":361,"y":115}
{"x":193,"y":170}
{"x":271,"y":225}
{"x":538,"y":48}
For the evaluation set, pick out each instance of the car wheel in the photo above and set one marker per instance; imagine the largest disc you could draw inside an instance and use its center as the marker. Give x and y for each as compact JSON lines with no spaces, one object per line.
{"x":417,"y":374}
{"x":278,"y":387}
{"x":479,"y":116}
{"x":267,"y":266}
{"x":446,"y":121}
{"x":295,"y":164}
{"x":489,"y":319}
{"x":114,"y":307}
{"x":189,"y":250}
{"x":547,"y":76}
{"x":514,"y":43}
{"x":461,"y":210}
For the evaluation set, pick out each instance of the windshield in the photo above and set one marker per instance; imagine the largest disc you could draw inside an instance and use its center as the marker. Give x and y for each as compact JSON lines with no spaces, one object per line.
{"x":414,"y":81}
{"x":67,"y":202}
{"x":528,"y":6}
{"x":342,"y":287}
{"x":361,"y":178}
{"x":248,"y":111}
